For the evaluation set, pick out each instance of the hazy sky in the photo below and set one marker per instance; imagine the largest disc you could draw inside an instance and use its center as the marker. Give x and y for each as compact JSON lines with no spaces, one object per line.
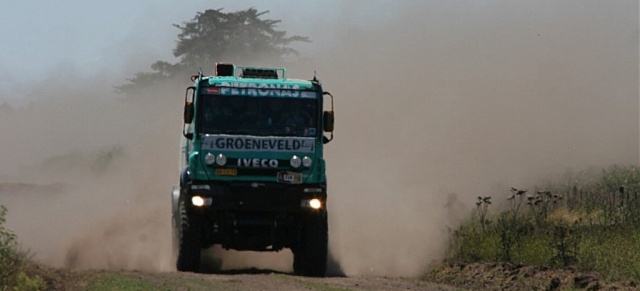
{"x":42,"y":38}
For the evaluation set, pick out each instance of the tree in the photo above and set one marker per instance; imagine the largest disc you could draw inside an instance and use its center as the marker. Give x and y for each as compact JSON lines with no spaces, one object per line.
{"x":215,"y":36}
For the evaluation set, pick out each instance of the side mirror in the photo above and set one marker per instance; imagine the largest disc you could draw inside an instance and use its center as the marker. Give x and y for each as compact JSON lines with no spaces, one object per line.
{"x":188,"y":104}
{"x":188,"y":117}
{"x":327,"y":124}
{"x":188,"y":113}
{"x":328,"y":120}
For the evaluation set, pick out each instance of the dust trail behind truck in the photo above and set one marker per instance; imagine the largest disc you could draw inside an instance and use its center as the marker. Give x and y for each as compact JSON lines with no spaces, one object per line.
{"x":252,"y":168}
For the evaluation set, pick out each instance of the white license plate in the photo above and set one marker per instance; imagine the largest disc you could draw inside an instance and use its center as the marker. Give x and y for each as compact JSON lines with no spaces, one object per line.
{"x":290,"y":177}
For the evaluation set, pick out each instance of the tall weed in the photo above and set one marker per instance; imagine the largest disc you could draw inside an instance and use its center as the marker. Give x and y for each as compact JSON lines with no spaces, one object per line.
{"x":590,"y":219}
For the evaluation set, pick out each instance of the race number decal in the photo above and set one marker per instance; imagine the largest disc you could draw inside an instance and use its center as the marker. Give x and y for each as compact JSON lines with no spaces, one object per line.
{"x":290,"y":177}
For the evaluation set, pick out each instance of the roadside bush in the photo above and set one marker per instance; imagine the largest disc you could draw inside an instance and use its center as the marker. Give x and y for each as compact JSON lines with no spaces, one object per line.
{"x":9,"y":260}
{"x":590,"y":220}
{"x":12,"y":262}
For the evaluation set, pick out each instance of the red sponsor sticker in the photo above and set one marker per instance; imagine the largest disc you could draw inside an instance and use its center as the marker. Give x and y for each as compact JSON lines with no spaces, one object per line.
{"x":212,"y":90}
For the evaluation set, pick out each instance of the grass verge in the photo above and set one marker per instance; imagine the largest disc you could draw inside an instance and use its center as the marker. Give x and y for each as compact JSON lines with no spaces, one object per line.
{"x":589,"y":221}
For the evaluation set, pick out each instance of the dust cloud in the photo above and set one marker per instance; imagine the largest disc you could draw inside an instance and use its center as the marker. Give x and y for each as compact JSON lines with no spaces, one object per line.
{"x":103,"y":166}
{"x":455,"y":99}
{"x":436,"y":104}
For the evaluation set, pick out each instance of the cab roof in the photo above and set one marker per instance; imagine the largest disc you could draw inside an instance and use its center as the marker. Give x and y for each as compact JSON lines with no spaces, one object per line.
{"x":226,"y":73}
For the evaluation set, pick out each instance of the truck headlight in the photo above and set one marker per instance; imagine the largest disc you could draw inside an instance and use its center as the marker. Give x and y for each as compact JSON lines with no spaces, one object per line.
{"x":199,"y":201}
{"x":306,"y":161}
{"x":313,"y":203}
{"x":209,"y":159}
{"x":295,"y":162}
{"x":221,"y":160}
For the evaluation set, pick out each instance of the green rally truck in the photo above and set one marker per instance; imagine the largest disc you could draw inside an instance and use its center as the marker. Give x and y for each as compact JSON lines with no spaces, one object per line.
{"x":252,"y":168}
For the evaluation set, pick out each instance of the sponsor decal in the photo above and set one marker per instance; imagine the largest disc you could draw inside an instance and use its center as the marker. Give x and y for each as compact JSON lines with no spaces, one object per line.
{"x":262,"y":90}
{"x":221,"y":142}
{"x":212,"y":90}
{"x":226,"y":172}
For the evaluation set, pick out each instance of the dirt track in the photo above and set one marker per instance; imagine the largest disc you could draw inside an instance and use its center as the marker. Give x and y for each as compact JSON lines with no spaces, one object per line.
{"x":236,"y":280}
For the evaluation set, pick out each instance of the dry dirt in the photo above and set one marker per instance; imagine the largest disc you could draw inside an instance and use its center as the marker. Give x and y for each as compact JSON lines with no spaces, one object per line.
{"x":279,"y":281}
{"x":246,"y":279}
{"x":505,"y":276}
{"x":449,"y":277}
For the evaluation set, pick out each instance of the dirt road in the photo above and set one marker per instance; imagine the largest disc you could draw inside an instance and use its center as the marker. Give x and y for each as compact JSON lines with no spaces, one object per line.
{"x":231,"y":280}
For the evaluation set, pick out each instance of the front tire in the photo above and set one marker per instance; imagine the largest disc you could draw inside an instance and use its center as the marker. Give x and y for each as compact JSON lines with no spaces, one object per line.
{"x":310,"y":255}
{"x":189,"y":244}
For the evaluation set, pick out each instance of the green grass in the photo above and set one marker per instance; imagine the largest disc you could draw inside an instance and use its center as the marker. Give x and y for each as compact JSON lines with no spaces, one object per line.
{"x":133,"y":281}
{"x":589,"y":220}
{"x":308,"y":285}
{"x":614,"y":253}
{"x":533,"y":250}
{"x":124,"y":282}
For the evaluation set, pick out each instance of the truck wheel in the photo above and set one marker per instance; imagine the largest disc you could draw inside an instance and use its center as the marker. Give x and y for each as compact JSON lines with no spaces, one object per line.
{"x":175,"y":224}
{"x":189,"y":245}
{"x":310,"y":256}
{"x":175,"y":239}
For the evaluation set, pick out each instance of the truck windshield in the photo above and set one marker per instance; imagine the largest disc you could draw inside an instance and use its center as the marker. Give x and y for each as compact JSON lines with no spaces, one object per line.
{"x":265,"y":116}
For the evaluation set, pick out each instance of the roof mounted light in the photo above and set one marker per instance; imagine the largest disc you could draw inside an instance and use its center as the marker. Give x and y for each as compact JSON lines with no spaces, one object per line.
{"x":259,"y":73}
{"x":224,"y":69}
{"x":262,"y":73}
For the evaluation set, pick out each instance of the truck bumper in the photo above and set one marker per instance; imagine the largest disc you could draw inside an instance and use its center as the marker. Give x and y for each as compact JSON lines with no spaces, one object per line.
{"x":255,"y":216}
{"x":259,"y":197}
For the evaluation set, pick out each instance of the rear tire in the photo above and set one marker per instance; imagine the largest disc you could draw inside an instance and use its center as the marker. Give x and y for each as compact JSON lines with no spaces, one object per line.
{"x":189,"y":245}
{"x":310,"y":255}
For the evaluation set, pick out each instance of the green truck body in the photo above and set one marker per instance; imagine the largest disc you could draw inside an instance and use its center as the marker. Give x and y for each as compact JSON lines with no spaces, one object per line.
{"x":252,"y":168}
